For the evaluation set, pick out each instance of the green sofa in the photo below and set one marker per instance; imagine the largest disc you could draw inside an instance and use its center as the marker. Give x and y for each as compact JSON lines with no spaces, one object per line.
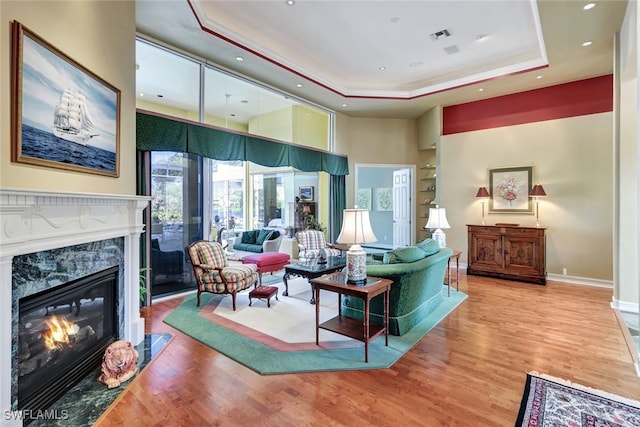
{"x":259,"y":241}
{"x":418,"y":274}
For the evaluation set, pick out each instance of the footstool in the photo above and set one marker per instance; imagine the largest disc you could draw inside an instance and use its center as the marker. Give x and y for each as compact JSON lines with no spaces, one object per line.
{"x":263,"y":292}
{"x":267,"y":262}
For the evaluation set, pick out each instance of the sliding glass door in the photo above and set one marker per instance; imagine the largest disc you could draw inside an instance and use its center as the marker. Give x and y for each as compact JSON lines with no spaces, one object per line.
{"x":176,"y":219}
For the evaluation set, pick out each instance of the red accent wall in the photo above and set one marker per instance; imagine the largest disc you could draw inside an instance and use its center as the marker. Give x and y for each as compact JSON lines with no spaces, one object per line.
{"x":578,"y":98}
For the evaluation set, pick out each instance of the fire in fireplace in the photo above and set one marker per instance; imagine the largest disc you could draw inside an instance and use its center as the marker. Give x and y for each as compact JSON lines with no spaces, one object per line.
{"x":63,"y":332}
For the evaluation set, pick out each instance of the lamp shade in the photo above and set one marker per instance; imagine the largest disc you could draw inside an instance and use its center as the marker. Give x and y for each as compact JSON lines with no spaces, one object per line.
{"x":482,"y":193}
{"x":437,"y":218}
{"x":356,"y":227}
{"x":537,"y":191}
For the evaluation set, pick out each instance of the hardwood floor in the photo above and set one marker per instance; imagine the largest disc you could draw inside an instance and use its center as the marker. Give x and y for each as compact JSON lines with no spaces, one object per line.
{"x":468,"y":371}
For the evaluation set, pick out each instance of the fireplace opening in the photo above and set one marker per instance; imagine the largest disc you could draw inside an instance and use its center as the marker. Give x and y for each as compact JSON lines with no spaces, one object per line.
{"x":63,"y":333}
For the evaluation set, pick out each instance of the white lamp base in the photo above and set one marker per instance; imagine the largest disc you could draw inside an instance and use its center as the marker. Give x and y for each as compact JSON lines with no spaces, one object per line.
{"x":356,"y":265}
{"x":439,"y":237}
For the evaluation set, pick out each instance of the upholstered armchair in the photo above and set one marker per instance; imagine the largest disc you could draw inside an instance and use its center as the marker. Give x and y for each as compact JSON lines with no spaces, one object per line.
{"x":166,"y":263}
{"x":214,"y":274}
{"x":311,"y":243}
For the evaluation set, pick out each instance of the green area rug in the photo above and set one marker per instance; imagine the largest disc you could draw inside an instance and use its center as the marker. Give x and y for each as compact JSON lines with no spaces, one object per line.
{"x":267,"y":360}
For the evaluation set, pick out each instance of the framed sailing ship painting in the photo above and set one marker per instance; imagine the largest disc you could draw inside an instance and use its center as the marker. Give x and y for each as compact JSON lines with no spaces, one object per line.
{"x":62,"y":115}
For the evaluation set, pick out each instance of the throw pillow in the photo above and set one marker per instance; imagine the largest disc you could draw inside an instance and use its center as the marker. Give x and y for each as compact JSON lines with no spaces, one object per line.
{"x":408,"y":254}
{"x":249,"y":237}
{"x":389,"y":257}
{"x":263,"y":235}
{"x":429,"y":246}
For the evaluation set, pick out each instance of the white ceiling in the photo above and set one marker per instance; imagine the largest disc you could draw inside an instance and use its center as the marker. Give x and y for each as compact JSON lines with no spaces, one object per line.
{"x":334,"y":49}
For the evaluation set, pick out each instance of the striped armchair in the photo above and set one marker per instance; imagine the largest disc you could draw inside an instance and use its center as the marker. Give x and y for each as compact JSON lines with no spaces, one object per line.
{"x":214,"y":274}
{"x":310,"y":242}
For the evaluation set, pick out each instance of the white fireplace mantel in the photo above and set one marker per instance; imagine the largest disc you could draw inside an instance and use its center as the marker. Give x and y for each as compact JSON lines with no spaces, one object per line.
{"x":33,"y":221}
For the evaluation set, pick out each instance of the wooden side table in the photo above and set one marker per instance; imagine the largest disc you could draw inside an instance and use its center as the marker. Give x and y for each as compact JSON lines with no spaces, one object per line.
{"x":343,"y":325}
{"x":456,"y":256}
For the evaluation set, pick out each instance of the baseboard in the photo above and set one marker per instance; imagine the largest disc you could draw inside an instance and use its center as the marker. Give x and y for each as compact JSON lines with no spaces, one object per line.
{"x":580,"y":280}
{"x":567,"y":279}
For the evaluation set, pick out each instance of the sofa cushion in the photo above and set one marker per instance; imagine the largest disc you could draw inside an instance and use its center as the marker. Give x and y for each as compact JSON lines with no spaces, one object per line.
{"x":263,"y":235}
{"x":429,"y":246}
{"x":402,"y":255}
{"x":249,"y":237}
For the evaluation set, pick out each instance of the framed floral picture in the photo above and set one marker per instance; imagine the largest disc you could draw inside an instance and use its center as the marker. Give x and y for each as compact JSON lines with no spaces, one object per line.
{"x":384,"y":199}
{"x":364,"y":199}
{"x":509,"y":190}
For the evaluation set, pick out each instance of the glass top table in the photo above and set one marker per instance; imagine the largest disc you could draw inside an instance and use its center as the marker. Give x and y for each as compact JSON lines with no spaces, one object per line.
{"x":310,"y":269}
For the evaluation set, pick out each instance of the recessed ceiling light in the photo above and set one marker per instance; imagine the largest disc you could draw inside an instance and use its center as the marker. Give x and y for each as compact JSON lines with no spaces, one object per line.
{"x":481,"y":90}
{"x":290,"y":2}
{"x":299,"y":85}
{"x":538,"y":77}
{"x":481,"y":37}
{"x":160,"y":96}
{"x":587,"y":43}
{"x":382,"y":68}
{"x":239,"y":58}
{"x":244,"y":101}
{"x":589,"y":6}
{"x":344,"y":105}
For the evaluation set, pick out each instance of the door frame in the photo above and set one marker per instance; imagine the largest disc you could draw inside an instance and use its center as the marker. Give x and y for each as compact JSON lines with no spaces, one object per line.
{"x":391,"y":166}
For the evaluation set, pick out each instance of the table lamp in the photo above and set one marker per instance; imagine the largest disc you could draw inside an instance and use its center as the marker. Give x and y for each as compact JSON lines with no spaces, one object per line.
{"x":483,"y":195}
{"x":438,"y":220}
{"x":356,"y":229}
{"x":537,"y":191}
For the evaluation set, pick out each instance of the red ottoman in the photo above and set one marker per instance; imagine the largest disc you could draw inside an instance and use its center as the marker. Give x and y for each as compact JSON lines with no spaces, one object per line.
{"x":267,"y":262}
{"x":263,"y":292}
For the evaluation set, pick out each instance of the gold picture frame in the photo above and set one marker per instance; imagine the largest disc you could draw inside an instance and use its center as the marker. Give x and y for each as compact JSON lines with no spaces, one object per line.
{"x":62,"y":115}
{"x":509,"y":190}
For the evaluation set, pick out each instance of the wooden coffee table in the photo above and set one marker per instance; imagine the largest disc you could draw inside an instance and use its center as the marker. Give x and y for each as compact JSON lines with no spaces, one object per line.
{"x":310,"y":270}
{"x":361,"y":330}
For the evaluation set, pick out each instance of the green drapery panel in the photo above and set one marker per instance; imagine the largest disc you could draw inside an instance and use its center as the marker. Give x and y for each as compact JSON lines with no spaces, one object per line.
{"x":215,"y":143}
{"x":335,"y":165}
{"x":338,"y":203}
{"x":141,"y":190}
{"x":155,"y":133}
{"x":267,"y":153}
{"x":305,"y":160}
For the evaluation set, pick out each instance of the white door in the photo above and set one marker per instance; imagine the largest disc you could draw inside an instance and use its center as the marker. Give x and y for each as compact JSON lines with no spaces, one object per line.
{"x":401,"y":208}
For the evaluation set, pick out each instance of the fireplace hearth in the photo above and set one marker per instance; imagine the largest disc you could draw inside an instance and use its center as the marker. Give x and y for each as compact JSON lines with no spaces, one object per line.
{"x":63,"y":332}
{"x":47,"y":240}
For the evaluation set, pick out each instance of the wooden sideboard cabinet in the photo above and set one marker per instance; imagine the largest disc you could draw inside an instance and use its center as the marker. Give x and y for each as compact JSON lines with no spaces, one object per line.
{"x":507,"y":252}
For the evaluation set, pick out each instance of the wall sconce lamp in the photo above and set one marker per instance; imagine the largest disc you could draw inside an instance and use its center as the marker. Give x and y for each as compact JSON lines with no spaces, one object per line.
{"x":537,"y":191}
{"x":438,"y":220}
{"x":483,"y":195}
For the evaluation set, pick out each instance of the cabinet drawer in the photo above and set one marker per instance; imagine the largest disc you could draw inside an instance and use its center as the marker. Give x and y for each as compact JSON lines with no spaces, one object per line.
{"x":523,"y":232}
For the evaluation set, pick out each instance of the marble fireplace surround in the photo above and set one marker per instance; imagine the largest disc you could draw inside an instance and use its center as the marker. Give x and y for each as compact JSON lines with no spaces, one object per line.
{"x":33,"y":221}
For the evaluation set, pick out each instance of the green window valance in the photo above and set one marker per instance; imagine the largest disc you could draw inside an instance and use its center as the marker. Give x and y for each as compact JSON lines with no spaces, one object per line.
{"x":156,"y":133}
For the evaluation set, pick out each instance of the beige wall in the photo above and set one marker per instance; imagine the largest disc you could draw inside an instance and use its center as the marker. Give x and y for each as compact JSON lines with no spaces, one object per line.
{"x":101,"y":37}
{"x":379,"y":141}
{"x":572,"y":159}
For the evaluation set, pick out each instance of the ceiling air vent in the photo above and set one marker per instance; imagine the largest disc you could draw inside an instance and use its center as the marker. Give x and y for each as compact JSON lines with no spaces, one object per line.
{"x":441,"y":34}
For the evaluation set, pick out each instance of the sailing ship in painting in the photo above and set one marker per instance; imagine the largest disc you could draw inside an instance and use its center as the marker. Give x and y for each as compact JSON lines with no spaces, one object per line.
{"x":72,"y":120}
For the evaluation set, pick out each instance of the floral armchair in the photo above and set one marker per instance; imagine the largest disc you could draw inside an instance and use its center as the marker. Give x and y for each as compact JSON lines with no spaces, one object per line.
{"x":214,"y":274}
{"x":311,"y":243}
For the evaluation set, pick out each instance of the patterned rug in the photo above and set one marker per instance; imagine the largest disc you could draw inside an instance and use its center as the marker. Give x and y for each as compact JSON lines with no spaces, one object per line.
{"x":550,"y":401}
{"x":281,"y":339}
